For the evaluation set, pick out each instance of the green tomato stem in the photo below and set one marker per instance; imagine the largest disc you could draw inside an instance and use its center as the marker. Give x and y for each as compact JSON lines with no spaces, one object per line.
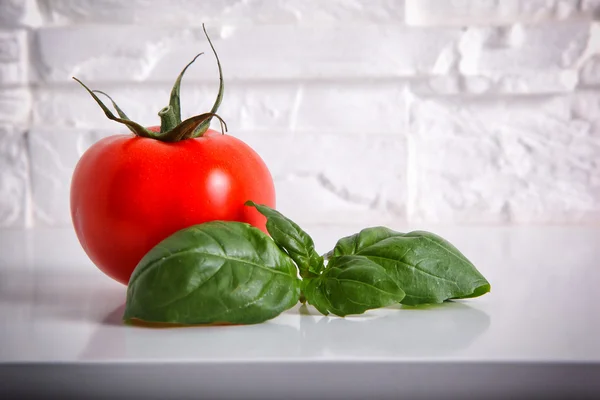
{"x":172,"y":129}
{"x":136,"y":128}
{"x":203,"y":127}
{"x":174,"y":101}
{"x":168,"y":119}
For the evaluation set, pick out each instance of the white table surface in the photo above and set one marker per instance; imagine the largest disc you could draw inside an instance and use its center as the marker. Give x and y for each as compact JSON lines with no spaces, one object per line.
{"x":543,"y":312}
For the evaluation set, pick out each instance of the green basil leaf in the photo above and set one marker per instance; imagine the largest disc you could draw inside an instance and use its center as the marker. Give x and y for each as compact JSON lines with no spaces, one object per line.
{"x":351,"y":285}
{"x":217,"y":272}
{"x":425,"y":266}
{"x":291,"y":238}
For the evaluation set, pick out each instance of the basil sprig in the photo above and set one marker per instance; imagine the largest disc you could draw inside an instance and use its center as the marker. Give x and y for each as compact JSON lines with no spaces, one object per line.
{"x":231,"y":272}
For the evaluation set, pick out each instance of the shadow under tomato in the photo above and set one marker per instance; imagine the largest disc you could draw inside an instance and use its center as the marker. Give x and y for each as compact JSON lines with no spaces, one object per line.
{"x":60,"y":296}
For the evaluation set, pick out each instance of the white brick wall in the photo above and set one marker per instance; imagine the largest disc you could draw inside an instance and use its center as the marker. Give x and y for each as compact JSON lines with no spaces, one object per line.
{"x":501,"y":160}
{"x":368,"y":111}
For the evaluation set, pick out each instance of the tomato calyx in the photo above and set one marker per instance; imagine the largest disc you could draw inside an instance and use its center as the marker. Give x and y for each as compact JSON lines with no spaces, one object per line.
{"x":172,"y":128}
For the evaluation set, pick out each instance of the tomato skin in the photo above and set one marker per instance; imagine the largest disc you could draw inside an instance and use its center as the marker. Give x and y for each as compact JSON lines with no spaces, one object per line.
{"x":128,"y":193}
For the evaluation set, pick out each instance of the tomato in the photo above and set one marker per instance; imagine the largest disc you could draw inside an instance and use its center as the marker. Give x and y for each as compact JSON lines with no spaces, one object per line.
{"x":128,"y":193}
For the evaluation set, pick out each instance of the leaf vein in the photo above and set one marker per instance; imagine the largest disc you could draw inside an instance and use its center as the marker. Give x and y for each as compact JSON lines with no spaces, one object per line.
{"x":411,"y":266}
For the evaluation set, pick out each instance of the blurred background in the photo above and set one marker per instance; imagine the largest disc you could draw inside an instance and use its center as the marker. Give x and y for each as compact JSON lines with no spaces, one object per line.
{"x":366,"y":111}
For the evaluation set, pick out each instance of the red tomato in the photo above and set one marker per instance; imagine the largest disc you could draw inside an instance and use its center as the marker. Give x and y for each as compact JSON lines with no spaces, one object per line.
{"x":128,"y":193}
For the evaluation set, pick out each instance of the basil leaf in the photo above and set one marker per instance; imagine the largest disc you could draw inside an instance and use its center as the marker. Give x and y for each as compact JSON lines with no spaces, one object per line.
{"x":351,"y":285}
{"x":291,"y":238}
{"x":425,"y":266}
{"x":217,"y":272}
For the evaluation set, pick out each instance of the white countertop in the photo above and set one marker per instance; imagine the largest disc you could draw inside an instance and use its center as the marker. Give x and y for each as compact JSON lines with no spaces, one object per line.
{"x":55,"y":307}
